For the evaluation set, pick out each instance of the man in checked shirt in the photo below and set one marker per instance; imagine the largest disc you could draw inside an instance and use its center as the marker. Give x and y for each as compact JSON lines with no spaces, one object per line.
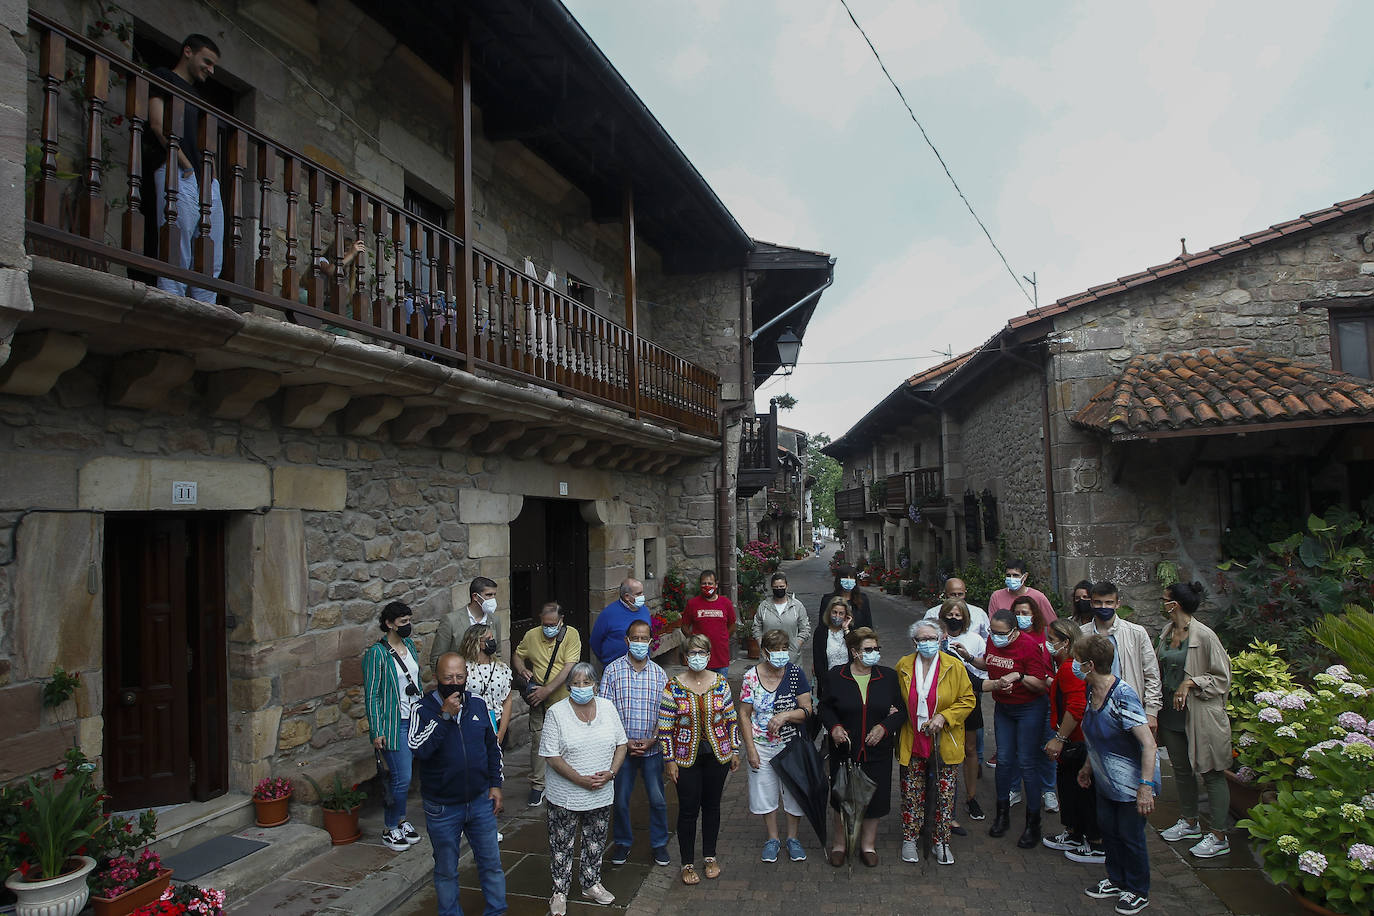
{"x":635,"y":685}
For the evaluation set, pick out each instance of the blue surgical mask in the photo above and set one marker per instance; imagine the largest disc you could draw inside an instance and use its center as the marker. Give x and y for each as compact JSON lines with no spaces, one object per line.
{"x":551,"y":632}
{"x":1000,"y":640}
{"x":639,"y":601}
{"x":698,"y":662}
{"x":837,"y":620}
{"x":779,"y":659}
{"x":1013,"y":583}
{"x":928,"y":648}
{"x":1024,"y":621}
{"x":1078,"y":670}
{"x":870,"y":657}
{"x":639,"y":651}
{"x":582,"y":695}
{"x":847,"y":584}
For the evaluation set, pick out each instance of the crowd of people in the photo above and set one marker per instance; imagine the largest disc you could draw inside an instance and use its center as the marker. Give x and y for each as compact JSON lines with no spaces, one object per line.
{"x":1079,"y":707}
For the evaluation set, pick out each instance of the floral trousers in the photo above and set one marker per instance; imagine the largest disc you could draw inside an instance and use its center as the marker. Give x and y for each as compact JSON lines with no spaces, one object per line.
{"x":914,"y":799}
{"x":563,"y":825}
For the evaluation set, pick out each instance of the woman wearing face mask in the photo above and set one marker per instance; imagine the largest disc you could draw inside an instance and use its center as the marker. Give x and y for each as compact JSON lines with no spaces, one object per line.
{"x":847,"y":587}
{"x":774,"y":699}
{"x":391,"y":685}
{"x":783,"y":612}
{"x":939,"y":698}
{"x":1081,"y":838}
{"x":488,"y":676}
{"x":965,"y":643}
{"x":1018,"y":676}
{"x":829,"y":648}
{"x":857,"y":711}
{"x":584,"y":746}
{"x":1196,"y":675}
{"x":1082,"y":603}
{"x":698,"y":729}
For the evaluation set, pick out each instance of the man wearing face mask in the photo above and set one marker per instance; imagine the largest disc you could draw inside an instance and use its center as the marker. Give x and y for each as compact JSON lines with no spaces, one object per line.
{"x":1135,"y":661}
{"x":634,"y":685}
{"x":460,"y":770}
{"x":783,"y":612}
{"x":1016,"y":587}
{"x":545,"y":656}
{"x":977,"y":617}
{"x":713,"y":615}
{"x":481,"y":608}
{"x":608,"y":633}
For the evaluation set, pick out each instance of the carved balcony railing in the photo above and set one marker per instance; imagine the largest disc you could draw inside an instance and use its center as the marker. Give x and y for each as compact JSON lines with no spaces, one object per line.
{"x":853,"y":504}
{"x":919,"y":487}
{"x":286,"y":217}
{"x":758,"y":453}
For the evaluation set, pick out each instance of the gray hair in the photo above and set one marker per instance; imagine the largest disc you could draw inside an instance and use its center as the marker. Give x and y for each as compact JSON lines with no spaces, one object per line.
{"x":628,"y":585}
{"x":582,"y":669}
{"x":920,"y":625}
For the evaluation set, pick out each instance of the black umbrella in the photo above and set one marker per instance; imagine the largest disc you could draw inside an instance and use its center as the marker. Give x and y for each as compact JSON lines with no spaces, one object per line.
{"x":383,"y":775}
{"x":799,"y":767}
{"x":932,"y":778}
{"x":853,"y":790}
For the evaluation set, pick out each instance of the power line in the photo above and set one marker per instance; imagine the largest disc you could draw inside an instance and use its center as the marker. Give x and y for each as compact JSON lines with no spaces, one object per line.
{"x":876,"y":56}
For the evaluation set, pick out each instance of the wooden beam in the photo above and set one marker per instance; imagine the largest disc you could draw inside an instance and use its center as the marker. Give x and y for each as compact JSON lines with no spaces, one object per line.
{"x":631,"y":305}
{"x":462,"y":192}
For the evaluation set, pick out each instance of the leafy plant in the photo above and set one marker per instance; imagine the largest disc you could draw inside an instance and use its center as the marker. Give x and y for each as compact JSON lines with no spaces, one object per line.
{"x":785,"y":401}
{"x":272,"y":788}
{"x":674,"y":594}
{"x":1351,"y":637}
{"x":122,"y":874}
{"x":58,"y":818}
{"x":60,"y":687}
{"x":179,"y":899}
{"x":337,"y":797}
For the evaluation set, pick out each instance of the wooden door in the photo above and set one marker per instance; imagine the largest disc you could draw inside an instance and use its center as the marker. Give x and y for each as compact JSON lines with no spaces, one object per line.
{"x":549,"y":562}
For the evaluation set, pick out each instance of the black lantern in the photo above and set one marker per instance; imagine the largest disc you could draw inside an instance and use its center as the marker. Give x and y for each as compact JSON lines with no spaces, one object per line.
{"x":789,"y":348}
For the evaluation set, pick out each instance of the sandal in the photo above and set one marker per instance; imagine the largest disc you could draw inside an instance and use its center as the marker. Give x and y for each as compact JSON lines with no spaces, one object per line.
{"x":689,"y":875}
{"x":711,"y":869}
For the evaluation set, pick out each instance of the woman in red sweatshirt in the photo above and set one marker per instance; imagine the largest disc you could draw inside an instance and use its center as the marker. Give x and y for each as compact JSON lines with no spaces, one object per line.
{"x":1080,"y":840}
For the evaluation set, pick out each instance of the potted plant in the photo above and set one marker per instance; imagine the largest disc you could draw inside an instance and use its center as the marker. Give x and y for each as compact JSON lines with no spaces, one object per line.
{"x":56,"y":819}
{"x":1317,"y":837}
{"x":181,"y":899}
{"x":272,"y":799}
{"x":341,"y":807}
{"x":123,"y":883}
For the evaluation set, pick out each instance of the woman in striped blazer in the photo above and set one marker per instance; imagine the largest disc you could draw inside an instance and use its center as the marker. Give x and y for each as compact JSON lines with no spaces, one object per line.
{"x":391,"y":685}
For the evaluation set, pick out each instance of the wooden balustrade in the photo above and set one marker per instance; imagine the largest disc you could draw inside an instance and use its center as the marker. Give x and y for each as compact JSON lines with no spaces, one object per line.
{"x":288,"y":222}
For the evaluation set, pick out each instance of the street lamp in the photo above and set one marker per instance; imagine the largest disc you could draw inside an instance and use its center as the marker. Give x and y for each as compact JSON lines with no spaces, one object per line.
{"x":789,"y":347}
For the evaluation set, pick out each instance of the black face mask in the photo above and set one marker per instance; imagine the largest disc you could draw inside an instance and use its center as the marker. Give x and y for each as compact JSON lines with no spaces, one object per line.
{"x":448,"y":690}
{"x":954,"y":624}
{"x":489,"y":647}
{"x":1082,"y":608}
{"x":1104,"y":613}
{"x":780,"y":593}
{"x":403,"y":630}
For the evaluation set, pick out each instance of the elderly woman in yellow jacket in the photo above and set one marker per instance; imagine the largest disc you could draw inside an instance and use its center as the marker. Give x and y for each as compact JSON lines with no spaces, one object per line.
{"x":939,"y":697}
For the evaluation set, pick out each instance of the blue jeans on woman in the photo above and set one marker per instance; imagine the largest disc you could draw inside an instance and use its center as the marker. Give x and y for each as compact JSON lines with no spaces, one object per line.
{"x":1019,"y":729}
{"x":398,"y":786}
{"x":1123,"y":840}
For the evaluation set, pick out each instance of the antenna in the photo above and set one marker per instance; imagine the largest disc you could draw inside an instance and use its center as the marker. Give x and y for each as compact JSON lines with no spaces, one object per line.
{"x":1035,"y":288}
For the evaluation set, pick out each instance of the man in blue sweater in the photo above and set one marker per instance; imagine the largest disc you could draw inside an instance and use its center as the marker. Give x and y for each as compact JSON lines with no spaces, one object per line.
{"x":459,"y":762}
{"x":608,"y":633}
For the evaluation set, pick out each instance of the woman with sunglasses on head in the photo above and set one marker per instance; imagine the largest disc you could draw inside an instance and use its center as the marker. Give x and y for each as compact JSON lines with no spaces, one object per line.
{"x":488,"y":676}
{"x":391,"y":688}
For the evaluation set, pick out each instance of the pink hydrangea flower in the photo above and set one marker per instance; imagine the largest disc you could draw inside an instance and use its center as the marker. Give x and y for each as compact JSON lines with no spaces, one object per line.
{"x":1352,"y":721}
{"x":1314,"y":863}
{"x":1362,"y":856}
{"x":1269,"y":714}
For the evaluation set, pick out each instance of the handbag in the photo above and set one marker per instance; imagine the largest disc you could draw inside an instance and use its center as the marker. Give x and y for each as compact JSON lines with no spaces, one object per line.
{"x":530,"y":685}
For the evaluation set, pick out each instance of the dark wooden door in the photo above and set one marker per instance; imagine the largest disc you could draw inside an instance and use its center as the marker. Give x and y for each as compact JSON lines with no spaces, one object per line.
{"x":166,"y":723}
{"x":549,"y":562}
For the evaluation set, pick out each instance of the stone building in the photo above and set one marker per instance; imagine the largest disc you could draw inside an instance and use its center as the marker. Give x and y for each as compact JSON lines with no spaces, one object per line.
{"x":537,"y":371}
{"x":1185,"y":413}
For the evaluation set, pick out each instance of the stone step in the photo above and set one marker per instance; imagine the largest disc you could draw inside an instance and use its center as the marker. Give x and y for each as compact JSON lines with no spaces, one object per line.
{"x":182,"y":826}
{"x":288,"y":846}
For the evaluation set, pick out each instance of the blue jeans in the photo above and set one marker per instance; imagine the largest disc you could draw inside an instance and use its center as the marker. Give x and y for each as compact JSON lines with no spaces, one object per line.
{"x":1123,"y":839}
{"x":188,"y":222}
{"x":651,"y":768}
{"x":446,"y":825}
{"x":723,"y":672}
{"x":1019,"y":728}
{"x":398,"y":786}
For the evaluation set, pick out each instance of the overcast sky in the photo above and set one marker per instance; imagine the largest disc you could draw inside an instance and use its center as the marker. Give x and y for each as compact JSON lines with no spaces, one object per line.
{"x":1090,"y":137}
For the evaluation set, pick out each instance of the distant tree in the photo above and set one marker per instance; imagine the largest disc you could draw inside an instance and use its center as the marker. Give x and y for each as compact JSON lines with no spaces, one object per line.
{"x":828,"y":474}
{"x":785,"y":401}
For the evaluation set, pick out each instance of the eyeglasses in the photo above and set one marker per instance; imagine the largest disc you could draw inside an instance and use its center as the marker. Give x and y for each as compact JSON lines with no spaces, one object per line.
{"x":999,"y":632}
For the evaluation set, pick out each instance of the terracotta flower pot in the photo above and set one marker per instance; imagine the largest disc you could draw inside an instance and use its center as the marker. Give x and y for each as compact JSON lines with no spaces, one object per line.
{"x":1308,"y":904}
{"x":64,"y":895}
{"x":342,"y":826}
{"x":134,"y":898}
{"x":273,"y":812}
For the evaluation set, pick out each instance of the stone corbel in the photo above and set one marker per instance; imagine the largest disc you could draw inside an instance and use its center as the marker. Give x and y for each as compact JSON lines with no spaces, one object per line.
{"x":308,"y":406}
{"x":530,"y":444}
{"x":233,"y":393}
{"x":497,"y":437}
{"x":143,"y":380}
{"x":412,"y":425}
{"x":458,"y":430}
{"x":563,"y":448}
{"x":588,"y":456}
{"x":365,"y":416}
{"x":37,"y":360}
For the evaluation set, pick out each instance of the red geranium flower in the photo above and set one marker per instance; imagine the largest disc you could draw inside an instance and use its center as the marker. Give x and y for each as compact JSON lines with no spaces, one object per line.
{"x":25,"y":868}
{"x":59,"y":774}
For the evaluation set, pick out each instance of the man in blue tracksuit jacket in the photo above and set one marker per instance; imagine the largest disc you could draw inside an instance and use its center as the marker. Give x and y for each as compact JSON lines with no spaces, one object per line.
{"x":459,"y":763}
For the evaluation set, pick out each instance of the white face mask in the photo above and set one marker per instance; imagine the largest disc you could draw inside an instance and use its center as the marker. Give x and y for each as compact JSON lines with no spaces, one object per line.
{"x":698,"y":662}
{"x":489,"y":606}
{"x":639,"y":601}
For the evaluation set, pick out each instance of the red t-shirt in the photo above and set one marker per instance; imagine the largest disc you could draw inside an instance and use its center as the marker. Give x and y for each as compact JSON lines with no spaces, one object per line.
{"x":1068,"y":694}
{"x":1025,"y":654}
{"x":1002,"y":599}
{"x":712,"y":618}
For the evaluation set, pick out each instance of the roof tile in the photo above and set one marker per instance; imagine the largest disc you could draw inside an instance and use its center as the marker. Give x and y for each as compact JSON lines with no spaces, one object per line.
{"x":1236,"y":387}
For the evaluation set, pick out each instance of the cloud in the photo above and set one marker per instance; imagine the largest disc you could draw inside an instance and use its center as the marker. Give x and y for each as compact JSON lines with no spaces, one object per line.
{"x":688,"y":64}
{"x":766,"y":205}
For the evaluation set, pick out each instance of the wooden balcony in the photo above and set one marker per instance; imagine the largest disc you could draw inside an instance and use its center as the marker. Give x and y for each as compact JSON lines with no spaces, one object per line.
{"x":919,"y":487}
{"x":758,"y":453}
{"x":853,"y":504}
{"x":416,"y":286}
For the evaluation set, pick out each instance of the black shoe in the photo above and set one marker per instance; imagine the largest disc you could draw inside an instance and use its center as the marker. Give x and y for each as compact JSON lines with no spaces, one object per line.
{"x":536,"y":798}
{"x":1030,"y":837}
{"x":1001,"y":820}
{"x":619,"y":854}
{"x":975,"y":810}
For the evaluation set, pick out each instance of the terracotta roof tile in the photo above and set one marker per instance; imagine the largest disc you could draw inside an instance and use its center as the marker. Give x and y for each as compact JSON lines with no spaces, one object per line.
{"x":1235,"y":387}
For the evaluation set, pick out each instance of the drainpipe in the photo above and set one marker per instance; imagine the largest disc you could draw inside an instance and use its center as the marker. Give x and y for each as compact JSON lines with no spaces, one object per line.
{"x":830,"y":279}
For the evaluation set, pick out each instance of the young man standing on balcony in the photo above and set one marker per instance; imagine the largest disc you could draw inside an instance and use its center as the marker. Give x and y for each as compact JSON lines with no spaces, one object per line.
{"x":199,"y":57}
{"x":713,"y":615}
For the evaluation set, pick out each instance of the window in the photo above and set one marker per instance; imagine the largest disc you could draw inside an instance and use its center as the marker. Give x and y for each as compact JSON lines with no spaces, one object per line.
{"x":417,"y":204}
{"x":582,"y":291}
{"x":897,"y":462}
{"x":650,"y":558}
{"x":1352,"y":344}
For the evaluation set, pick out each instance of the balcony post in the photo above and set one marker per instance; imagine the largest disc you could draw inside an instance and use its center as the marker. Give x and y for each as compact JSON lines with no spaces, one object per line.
{"x":462,"y":198}
{"x":631,"y":305}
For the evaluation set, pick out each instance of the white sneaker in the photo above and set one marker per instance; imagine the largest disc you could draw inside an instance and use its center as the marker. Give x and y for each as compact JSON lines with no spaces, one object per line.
{"x":1182,"y":830}
{"x":1015,"y":798}
{"x":943,"y":854}
{"x":1211,"y":847}
{"x":599,"y":895}
{"x":558,"y":905}
{"x":1050,"y":801}
{"x":910,"y":852}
